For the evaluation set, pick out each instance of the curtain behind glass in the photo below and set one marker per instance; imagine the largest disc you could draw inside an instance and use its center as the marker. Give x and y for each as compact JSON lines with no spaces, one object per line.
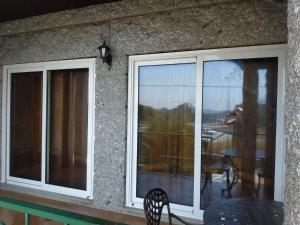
{"x":67,"y":128}
{"x":26,"y":125}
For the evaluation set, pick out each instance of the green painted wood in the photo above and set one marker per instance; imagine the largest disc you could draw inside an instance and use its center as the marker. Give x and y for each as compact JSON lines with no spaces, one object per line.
{"x":27,"y":219}
{"x":66,"y":217}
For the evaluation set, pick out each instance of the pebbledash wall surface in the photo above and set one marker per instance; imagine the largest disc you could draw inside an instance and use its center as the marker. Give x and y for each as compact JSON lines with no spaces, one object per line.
{"x":292,"y":117}
{"x":135,"y":27}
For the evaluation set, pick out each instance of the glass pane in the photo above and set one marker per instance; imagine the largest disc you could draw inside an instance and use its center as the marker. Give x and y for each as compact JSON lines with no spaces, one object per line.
{"x":25,"y":125}
{"x":166,"y":124}
{"x":67,"y":128}
{"x":238,"y":129}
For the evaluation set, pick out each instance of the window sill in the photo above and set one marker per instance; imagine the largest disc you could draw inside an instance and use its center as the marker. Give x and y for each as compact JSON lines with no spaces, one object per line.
{"x":16,"y":191}
{"x":164,"y":219}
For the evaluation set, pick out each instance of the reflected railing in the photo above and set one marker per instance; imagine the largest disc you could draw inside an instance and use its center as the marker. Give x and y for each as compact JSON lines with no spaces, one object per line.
{"x":154,"y":147}
{"x":170,"y":152}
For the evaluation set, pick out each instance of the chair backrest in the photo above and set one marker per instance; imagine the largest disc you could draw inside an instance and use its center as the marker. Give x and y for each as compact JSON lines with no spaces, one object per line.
{"x":154,"y":202}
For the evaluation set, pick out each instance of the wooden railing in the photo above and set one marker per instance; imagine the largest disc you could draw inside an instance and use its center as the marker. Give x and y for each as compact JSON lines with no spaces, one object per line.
{"x":66,"y":217}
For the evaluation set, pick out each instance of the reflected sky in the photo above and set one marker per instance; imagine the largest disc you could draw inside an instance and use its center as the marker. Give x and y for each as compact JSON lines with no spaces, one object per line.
{"x":223,"y":85}
{"x":167,"y":86}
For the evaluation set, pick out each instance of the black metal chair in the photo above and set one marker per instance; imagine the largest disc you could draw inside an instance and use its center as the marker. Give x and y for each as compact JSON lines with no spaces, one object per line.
{"x":154,"y":202}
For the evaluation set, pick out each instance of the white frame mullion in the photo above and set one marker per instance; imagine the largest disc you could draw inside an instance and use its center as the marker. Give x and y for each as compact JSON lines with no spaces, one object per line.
{"x":44,"y":126}
{"x":44,"y":67}
{"x":198,"y":141}
{"x":280,"y":141}
{"x":134,"y":141}
{"x":201,"y":56}
{"x":4,"y":124}
{"x":130,"y":130}
{"x":91,"y":128}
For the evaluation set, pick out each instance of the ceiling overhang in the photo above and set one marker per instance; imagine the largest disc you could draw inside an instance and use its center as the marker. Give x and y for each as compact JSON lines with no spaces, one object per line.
{"x":16,"y":9}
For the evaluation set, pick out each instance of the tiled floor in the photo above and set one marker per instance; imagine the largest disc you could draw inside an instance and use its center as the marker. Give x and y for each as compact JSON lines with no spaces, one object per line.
{"x":13,"y":218}
{"x":212,"y":192}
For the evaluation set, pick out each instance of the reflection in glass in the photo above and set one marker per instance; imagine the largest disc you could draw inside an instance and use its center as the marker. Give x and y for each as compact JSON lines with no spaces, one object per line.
{"x":166,"y":122}
{"x":67,"y":128}
{"x":25,"y":125}
{"x":238,"y":129}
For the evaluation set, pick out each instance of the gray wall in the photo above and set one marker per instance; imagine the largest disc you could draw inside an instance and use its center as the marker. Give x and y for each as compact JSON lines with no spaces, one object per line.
{"x":292,"y":118}
{"x":135,"y":27}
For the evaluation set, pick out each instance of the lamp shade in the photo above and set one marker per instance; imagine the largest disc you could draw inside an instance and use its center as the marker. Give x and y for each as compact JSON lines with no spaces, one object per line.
{"x":104,"y":51}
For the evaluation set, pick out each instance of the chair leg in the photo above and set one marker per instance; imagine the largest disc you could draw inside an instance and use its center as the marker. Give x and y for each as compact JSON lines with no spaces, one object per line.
{"x":258,"y":186}
{"x":205,"y":182}
{"x":228,"y":185}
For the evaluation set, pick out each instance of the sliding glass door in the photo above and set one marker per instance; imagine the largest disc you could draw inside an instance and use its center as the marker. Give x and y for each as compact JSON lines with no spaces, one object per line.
{"x":166,"y":128}
{"x":48,"y":126}
{"x":67,"y":128}
{"x":238,"y":129}
{"x":26,"y":125}
{"x":206,"y":126}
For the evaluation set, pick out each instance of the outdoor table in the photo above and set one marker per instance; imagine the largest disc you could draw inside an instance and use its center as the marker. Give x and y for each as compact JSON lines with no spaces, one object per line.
{"x":244,"y":211}
{"x":231,"y":152}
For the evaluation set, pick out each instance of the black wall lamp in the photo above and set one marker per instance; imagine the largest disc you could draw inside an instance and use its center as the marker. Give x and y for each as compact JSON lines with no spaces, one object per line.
{"x":104,"y":53}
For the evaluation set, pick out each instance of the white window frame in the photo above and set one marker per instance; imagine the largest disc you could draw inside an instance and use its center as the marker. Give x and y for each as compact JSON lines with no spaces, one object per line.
{"x":44,"y":67}
{"x":199,"y":57}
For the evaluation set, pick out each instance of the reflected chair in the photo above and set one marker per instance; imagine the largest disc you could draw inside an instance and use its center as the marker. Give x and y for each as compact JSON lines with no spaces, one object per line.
{"x":210,"y":165}
{"x":154,"y":203}
{"x":260,"y":173}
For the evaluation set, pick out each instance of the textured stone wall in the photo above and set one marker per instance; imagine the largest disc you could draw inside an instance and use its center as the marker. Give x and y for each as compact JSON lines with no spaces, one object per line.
{"x":135,"y":27}
{"x":292,"y":117}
